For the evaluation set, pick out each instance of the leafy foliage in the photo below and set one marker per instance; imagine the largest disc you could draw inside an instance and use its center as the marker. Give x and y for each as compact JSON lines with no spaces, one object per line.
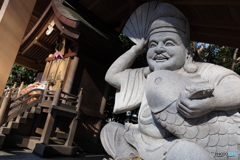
{"x":126,"y":42}
{"x":21,"y":74}
{"x":220,"y":55}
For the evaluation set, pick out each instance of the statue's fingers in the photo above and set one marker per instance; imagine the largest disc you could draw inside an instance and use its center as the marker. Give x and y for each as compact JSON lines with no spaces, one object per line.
{"x":184,"y":99}
{"x":185,"y":108}
{"x":183,"y":112}
{"x":142,"y":42}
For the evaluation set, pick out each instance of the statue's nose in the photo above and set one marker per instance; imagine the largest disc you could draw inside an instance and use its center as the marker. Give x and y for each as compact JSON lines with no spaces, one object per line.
{"x":159,"y":49}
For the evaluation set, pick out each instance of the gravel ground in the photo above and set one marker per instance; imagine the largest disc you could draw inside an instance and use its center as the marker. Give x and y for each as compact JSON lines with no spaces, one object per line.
{"x":26,"y":154}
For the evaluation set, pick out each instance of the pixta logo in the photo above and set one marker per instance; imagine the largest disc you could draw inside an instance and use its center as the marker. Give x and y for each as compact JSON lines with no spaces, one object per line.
{"x":223,"y":154}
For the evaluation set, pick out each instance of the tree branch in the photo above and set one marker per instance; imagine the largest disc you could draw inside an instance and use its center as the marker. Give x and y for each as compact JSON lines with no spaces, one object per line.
{"x":234,"y":59}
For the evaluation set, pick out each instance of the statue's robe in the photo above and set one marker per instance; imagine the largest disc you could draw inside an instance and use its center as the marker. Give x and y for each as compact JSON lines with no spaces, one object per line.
{"x":150,"y":137}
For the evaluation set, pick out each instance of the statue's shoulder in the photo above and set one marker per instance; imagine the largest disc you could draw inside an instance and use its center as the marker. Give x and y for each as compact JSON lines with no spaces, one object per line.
{"x":205,"y":64}
{"x":213,"y":73}
{"x":208,"y":67}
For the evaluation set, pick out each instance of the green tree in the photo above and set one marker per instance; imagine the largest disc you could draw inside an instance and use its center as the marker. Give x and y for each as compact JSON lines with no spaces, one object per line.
{"x":227,"y":57}
{"x":21,"y":74}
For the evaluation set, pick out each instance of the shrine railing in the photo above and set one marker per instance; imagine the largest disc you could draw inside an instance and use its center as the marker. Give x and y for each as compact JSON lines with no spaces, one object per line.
{"x":11,"y":108}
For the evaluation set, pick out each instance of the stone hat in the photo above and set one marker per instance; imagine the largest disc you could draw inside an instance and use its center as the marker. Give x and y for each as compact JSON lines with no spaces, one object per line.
{"x":169,"y":24}
{"x":154,"y":16}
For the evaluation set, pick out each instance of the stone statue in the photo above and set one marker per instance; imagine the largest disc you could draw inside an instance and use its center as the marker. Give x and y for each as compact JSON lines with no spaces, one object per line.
{"x":188,"y":110}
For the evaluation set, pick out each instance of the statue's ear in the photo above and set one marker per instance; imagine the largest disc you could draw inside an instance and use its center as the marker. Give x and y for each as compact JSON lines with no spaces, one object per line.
{"x":190,"y":66}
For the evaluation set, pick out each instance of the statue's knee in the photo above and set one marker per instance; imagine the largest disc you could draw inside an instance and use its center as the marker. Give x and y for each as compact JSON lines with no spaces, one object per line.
{"x":187,"y":151}
{"x":111,"y":128}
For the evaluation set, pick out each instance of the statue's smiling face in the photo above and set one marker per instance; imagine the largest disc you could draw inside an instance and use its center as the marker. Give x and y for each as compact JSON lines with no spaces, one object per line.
{"x":166,"y":51}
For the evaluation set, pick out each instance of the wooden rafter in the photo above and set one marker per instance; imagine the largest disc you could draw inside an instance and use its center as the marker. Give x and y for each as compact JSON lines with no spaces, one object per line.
{"x":44,"y":45}
{"x":43,"y":30}
{"x":37,"y":27}
{"x":30,"y":64}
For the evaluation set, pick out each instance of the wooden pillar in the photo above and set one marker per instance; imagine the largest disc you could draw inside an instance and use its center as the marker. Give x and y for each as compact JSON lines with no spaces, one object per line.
{"x":70,"y":75}
{"x":14,"y":18}
{"x":74,"y":123}
{"x":46,"y":71}
{"x":48,"y":127}
{"x":5,"y":108}
{"x":47,"y":130}
{"x":102,"y":108}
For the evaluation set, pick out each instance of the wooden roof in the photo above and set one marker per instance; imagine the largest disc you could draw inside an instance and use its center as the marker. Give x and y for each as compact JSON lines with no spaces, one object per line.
{"x":211,"y":21}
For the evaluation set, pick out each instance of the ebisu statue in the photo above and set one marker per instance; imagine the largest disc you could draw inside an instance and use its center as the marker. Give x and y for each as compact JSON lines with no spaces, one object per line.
{"x":188,"y":110}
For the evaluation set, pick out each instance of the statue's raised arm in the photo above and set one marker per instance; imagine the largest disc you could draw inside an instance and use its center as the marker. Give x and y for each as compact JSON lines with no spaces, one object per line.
{"x":113,"y":76}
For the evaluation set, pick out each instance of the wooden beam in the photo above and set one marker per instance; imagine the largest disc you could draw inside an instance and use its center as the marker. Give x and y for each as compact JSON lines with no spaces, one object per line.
{"x":216,"y":31}
{"x":233,"y":13}
{"x":117,"y":12}
{"x":202,"y":2}
{"x":42,"y":31}
{"x":32,"y":65}
{"x":215,"y":38}
{"x":93,"y":4}
{"x":101,"y":110}
{"x":201,"y":37}
{"x":71,"y":73}
{"x":46,"y":16}
{"x":65,"y":30}
{"x":93,"y":19}
{"x":69,"y":38}
{"x":34,"y":18}
{"x":66,"y":17}
{"x":46,"y":71}
{"x":14,"y":18}
{"x":44,"y":45}
{"x":196,"y":10}
{"x":215,"y":23}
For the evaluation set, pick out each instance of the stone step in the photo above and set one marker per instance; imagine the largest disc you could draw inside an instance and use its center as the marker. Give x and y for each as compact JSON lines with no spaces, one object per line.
{"x":37,"y":110}
{"x":2,"y":138}
{"x":13,"y":124}
{"x":21,"y":119}
{"x":5,"y":130}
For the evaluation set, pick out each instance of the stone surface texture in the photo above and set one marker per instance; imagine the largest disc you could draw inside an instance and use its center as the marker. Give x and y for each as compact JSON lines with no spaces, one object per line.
{"x":188,"y":110}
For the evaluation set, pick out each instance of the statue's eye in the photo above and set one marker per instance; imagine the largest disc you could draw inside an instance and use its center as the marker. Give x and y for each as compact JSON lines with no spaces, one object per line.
{"x":152,"y":44}
{"x":169,"y":43}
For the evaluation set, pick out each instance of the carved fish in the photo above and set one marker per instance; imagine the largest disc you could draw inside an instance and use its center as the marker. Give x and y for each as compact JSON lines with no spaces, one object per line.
{"x":216,"y":131}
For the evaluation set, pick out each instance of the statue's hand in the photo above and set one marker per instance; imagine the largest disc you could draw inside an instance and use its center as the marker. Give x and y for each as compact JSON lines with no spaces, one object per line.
{"x":140,"y":48}
{"x":196,"y":101}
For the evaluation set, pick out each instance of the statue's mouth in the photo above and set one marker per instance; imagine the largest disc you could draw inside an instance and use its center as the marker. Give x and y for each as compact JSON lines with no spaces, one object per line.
{"x":161,"y":57}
